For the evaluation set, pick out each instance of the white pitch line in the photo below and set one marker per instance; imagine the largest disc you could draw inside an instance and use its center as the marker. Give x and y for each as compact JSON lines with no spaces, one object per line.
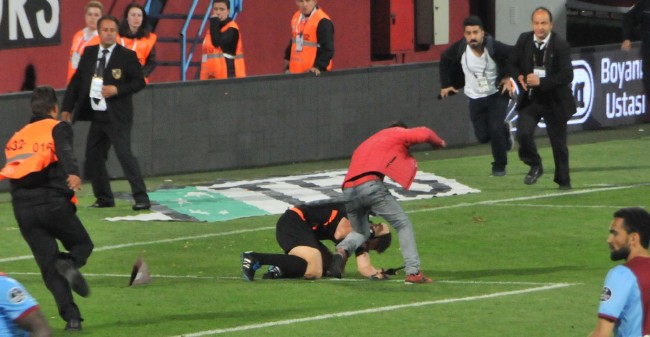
{"x":560,"y":206}
{"x":196,"y":277}
{"x":145,"y":243}
{"x":534,"y":197}
{"x":372,"y":310}
{"x":489,"y":202}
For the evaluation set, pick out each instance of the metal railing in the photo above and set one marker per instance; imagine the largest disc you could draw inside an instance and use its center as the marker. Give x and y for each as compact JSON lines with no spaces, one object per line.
{"x":236,"y":7}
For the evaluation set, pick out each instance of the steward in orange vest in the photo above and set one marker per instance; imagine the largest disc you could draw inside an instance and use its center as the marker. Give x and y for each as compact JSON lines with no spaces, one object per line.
{"x":44,"y":177}
{"x":80,"y":41}
{"x":312,"y":43}
{"x":40,"y":159}
{"x":142,"y":41}
{"x":223,"y":54}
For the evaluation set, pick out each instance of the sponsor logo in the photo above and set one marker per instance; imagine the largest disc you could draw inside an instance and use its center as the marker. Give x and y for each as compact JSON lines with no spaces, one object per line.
{"x":16,"y":295}
{"x":606,"y":294}
{"x":583,"y":91}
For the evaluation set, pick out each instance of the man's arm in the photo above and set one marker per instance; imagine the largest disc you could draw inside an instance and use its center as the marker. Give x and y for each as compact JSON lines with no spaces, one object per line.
{"x":325,"y":53}
{"x":630,"y":20}
{"x":366,"y":268}
{"x":35,"y":323}
{"x":604,"y":328}
{"x":62,"y":135}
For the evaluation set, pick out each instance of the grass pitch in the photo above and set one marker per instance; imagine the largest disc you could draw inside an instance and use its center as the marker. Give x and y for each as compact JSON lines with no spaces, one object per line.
{"x":513,"y":260}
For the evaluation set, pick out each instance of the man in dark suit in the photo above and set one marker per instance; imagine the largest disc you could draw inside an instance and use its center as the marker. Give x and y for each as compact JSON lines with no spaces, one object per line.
{"x":101,"y":91}
{"x":541,"y":63}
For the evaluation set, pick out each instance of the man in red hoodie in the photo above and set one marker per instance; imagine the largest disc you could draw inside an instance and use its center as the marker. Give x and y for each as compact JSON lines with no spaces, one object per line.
{"x":386,"y":153}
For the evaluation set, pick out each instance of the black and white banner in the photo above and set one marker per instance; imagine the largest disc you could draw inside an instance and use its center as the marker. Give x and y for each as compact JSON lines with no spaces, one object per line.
{"x":29,"y":23}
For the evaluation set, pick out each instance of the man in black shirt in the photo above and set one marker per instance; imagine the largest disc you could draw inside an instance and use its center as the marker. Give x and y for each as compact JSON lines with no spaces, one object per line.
{"x":44,"y":175}
{"x":299,"y":232}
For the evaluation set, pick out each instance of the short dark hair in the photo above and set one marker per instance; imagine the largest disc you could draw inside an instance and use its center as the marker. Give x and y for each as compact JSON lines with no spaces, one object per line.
{"x":636,"y":220}
{"x":143,"y":30}
{"x":473,"y":20}
{"x":227,"y":2}
{"x":380,"y":243}
{"x":544,"y":9}
{"x":43,"y":100}
{"x":107,"y":17}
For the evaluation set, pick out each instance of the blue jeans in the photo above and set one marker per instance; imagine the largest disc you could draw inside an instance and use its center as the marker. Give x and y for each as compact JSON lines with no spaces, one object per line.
{"x":374,"y":196}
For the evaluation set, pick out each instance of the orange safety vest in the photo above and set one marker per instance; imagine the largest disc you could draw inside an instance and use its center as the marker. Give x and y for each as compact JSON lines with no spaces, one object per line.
{"x":79,"y":43}
{"x":302,"y":61}
{"x":213,"y":60}
{"x":142,"y":47}
{"x":30,"y":150}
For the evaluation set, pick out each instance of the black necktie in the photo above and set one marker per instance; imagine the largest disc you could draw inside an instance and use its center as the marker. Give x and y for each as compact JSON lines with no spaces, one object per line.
{"x":102,"y":64}
{"x":540,"y":44}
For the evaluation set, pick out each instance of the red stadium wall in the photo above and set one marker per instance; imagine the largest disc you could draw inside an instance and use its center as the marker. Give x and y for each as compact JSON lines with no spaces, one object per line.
{"x":265,"y":29}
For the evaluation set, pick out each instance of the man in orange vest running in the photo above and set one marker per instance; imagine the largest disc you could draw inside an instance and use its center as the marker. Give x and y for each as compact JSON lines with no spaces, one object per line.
{"x":223,"y":52}
{"x":312,"y":40}
{"x":44,"y":175}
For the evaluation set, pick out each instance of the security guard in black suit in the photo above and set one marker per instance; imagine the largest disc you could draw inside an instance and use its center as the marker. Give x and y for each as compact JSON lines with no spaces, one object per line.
{"x":101,"y":91}
{"x":541,"y":63}
{"x":43,"y":173}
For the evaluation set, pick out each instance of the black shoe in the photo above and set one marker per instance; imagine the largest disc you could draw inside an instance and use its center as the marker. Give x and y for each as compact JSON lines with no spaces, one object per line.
{"x":249,"y":265}
{"x":498,"y":173}
{"x":141,"y":206}
{"x":338,"y":263}
{"x":274,"y":272}
{"x":565,"y":187}
{"x":510,"y":138}
{"x":74,"y":277}
{"x":73,"y":325}
{"x":102,"y":204}
{"x":534,"y":174}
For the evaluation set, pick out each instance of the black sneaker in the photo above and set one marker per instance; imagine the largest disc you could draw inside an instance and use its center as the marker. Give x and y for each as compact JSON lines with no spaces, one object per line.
{"x":73,"y":325}
{"x":534,"y":174}
{"x":338,"y":263}
{"x":73,"y":276}
{"x":249,"y":265}
{"x":274,"y":272}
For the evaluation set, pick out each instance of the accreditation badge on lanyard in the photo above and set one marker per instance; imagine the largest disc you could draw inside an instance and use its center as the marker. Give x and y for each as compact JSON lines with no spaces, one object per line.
{"x":539,"y":72}
{"x":96,"y":87}
{"x":482,"y":81}
{"x":300,"y":28}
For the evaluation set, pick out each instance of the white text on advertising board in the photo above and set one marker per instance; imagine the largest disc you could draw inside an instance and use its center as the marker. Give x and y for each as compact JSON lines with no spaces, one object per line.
{"x":620,"y":103}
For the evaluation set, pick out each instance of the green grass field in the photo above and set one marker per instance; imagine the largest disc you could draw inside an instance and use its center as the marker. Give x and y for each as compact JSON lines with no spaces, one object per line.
{"x":513,"y":260}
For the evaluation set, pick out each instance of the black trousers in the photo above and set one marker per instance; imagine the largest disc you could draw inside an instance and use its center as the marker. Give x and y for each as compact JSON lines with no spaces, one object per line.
{"x":488,"y":116}
{"x":556,"y":130}
{"x":100,"y":138}
{"x":41,"y":225}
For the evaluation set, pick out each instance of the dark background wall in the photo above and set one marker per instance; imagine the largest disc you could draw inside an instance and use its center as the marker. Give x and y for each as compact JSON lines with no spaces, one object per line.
{"x":266,"y":120}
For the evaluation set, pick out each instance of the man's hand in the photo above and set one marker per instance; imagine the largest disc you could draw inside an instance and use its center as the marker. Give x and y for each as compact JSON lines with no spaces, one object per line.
{"x":74,"y":182}
{"x":315,"y":71}
{"x":109,"y":91}
{"x":521,"y":81}
{"x":439,"y":146}
{"x":626,"y":45}
{"x":66,"y":116}
{"x":446,"y":92}
{"x":532,"y":80}
{"x":507,"y":85}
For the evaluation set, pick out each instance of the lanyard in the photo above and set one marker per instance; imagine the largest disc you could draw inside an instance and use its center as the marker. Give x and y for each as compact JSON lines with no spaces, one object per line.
{"x":302,"y":21}
{"x":85,"y":41}
{"x":135,"y":43}
{"x":535,"y":54}
{"x":486,"y":62}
